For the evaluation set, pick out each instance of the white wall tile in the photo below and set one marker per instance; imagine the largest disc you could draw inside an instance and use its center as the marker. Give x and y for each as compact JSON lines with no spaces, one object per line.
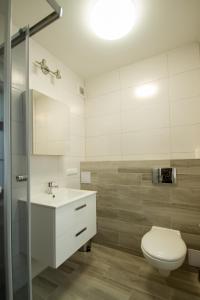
{"x":102,"y":105}
{"x":185,"y":85}
{"x":108,"y":145}
{"x":149,"y":125}
{"x":76,"y":104}
{"x":185,"y":112}
{"x":77,"y":125}
{"x":103,"y":84}
{"x":130,"y":99}
{"x":146,"y":142}
{"x":77,"y":146}
{"x":184,"y":59}
{"x":146,"y":117}
{"x":103,"y":125}
{"x":144,"y":71}
{"x":186,"y":139}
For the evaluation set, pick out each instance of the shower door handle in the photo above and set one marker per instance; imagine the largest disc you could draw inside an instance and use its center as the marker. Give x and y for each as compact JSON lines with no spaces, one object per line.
{"x":21,"y":178}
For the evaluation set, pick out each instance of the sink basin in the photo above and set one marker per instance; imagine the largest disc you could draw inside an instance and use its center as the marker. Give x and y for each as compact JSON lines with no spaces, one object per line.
{"x":60,"y":197}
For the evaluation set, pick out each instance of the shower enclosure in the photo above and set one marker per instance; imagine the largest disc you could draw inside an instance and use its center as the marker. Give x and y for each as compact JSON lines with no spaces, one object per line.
{"x":15,"y":209}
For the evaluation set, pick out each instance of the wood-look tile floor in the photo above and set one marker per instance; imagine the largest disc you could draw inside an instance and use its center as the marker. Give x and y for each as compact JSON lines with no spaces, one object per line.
{"x":109,"y":274}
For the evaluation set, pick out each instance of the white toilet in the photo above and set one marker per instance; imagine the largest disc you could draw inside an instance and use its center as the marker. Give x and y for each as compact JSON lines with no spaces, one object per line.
{"x":164,"y":249}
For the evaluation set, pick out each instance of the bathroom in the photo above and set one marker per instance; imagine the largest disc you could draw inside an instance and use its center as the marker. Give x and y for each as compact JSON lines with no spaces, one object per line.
{"x":99,"y":150}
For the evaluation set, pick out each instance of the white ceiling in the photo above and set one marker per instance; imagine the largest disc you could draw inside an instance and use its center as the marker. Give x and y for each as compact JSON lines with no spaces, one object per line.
{"x":162,"y":25}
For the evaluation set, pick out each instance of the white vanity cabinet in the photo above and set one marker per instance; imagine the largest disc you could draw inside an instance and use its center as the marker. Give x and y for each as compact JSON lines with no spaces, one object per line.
{"x":60,"y":230}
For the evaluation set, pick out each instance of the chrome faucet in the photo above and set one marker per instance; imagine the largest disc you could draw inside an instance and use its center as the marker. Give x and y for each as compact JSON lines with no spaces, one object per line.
{"x":51,"y":186}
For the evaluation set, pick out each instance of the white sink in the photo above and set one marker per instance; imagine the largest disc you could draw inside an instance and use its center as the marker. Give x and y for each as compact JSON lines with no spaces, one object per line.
{"x":60,"y":197}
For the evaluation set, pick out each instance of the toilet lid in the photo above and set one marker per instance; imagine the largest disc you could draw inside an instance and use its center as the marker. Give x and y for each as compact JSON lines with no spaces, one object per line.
{"x":164,"y":244}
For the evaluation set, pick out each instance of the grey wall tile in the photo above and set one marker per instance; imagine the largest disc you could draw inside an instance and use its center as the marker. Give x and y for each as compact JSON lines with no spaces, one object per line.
{"x":128,"y":204}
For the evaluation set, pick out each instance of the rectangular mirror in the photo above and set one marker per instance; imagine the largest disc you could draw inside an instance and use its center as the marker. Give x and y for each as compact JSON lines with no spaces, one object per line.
{"x":50,"y":125}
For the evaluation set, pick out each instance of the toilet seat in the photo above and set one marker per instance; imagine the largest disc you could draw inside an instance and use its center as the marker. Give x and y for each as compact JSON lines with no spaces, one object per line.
{"x":164,"y":244}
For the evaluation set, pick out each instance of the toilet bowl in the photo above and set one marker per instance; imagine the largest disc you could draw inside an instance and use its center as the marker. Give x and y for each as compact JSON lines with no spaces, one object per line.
{"x":164,"y":249}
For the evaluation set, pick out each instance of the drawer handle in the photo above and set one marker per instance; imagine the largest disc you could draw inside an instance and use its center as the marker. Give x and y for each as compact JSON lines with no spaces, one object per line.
{"x":80,"y":207}
{"x":84,"y":229}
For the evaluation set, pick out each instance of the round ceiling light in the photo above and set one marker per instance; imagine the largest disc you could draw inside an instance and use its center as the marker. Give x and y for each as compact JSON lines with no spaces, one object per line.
{"x":112,"y":19}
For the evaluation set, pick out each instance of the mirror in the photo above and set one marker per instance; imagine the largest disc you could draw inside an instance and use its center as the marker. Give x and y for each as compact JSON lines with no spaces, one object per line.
{"x":50,"y":125}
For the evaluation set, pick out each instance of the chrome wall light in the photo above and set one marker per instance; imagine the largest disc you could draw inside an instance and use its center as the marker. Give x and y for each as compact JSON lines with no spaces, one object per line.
{"x":46,"y":70}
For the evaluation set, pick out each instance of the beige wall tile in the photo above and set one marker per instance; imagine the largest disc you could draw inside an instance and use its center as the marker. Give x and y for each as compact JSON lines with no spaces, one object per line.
{"x":186,"y":139}
{"x":103,"y":105}
{"x":185,"y":112}
{"x":145,"y":142}
{"x":144,"y":71}
{"x":103,"y":84}
{"x":157,"y":94}
{"x":184,"y":58}
{"x":107,"y":145}
{"x":184,"y":85}
{"x":146,"y":117}
{"x":131,"y":100}
{"x":103,"y":125}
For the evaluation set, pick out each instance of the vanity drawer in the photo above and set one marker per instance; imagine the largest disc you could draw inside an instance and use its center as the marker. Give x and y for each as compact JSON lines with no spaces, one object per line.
{"x":71,"y":241}
{"x":74,"y":215}
{"x":64,"y":249}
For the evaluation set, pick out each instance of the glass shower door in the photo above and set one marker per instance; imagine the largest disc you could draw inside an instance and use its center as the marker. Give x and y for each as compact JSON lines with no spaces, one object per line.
{"x":2,"y":266}
{"x":15,"y":279}
{"x":3,"y":14}
{"x":2,"y":263}
{"x":21,"y":273}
